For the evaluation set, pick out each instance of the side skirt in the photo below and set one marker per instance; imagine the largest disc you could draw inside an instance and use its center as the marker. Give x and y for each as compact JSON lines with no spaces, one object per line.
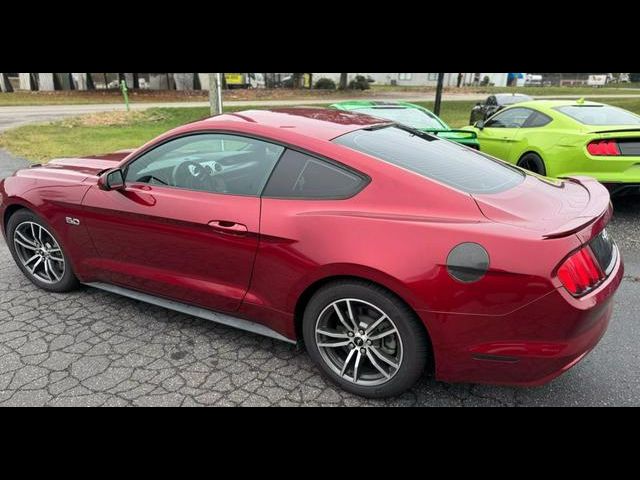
{"x":192,"y":310}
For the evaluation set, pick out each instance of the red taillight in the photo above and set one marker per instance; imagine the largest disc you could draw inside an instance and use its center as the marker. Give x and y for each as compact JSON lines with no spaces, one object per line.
{"x":580,"y":272}
{"x":603,"y":147}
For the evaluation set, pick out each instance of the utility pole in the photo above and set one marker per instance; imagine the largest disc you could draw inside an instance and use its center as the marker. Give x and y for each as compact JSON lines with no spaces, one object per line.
{"x":436,"y":105}
{"x":215,"y":93}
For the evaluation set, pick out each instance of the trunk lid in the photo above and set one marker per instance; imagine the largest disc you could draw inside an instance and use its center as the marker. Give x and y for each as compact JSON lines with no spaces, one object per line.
{"x":552,"y":208}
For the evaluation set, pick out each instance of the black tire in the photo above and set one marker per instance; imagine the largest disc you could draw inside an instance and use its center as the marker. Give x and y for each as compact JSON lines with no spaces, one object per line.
{"x":67,"y":281}
{"x":532,"y":162}
{"x":413,"y":337}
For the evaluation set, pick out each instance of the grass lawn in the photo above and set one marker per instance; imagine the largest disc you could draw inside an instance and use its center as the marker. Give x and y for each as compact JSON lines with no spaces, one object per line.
{"x":535,"y":91}
{"x":73,"y":97}
{"x":107,"y":132}
{"x":97,"y":133}
{"x":68,"y":97}
{"x":622,"y":89}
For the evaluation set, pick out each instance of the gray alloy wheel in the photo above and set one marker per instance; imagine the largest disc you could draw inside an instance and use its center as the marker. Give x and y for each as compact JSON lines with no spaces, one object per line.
{"x":39,"y":252}
{"x":364,"y":338}
{"x":36,"y":249}
{"x":359,"y":342}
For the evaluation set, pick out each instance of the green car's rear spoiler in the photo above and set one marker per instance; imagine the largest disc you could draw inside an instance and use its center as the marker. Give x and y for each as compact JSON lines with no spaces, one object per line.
{"x":457,"y":134}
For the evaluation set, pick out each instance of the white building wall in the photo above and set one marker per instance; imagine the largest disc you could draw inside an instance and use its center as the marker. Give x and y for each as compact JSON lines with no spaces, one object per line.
{"x":45,"y":81}
{"x":497,"y":79}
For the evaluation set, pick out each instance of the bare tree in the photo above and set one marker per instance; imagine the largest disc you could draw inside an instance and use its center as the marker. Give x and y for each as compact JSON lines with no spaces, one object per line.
{"x":215,"y":95}
{"x":343,"y":81}
{"x":296,"y":80}
{"x":5,"y":84}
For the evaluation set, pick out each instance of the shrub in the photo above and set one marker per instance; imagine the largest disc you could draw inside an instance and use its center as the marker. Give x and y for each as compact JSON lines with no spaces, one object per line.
{"x":359,"y":83}
{"x":325,"y":84}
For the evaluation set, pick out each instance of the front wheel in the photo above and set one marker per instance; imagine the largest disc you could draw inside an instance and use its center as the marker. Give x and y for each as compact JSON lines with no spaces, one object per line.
{"x":38,"y":252}
{"x":365,"y":339}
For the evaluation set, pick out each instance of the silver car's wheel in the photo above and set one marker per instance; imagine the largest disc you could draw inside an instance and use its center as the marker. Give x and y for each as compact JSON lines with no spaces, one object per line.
{"x":359,"y":342}
{"x":39,"y":252}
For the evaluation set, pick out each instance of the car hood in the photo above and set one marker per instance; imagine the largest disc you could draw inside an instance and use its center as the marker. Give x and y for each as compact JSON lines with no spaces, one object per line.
{"x":552,"y":208}
{"x":89,"y":166}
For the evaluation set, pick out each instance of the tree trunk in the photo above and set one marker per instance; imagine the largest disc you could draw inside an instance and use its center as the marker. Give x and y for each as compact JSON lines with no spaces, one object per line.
{"x":343,"y":81}
{"x":437,"y":103}
{"x":214,"y":94}
{"x":295,"y":80}
{"x":5,"y":84}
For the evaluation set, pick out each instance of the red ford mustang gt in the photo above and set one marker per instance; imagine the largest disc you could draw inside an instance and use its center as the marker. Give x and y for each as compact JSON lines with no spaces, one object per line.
{"x":384,"y":249}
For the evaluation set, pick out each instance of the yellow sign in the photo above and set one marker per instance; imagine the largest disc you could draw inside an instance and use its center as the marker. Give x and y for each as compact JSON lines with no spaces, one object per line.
{"x":234,"y":78}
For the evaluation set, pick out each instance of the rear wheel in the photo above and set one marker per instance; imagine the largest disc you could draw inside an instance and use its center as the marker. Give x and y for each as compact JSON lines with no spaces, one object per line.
{"x":365,"y":339}
{"x":38,"y":253}
{"x":532,"y":162}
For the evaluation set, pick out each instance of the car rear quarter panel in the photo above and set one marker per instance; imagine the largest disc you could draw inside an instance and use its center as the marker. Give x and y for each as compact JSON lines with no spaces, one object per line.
{"x":397,"y":232}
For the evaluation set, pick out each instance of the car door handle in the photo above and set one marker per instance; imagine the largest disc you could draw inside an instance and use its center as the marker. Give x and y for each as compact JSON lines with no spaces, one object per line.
{"x":225,"y":226}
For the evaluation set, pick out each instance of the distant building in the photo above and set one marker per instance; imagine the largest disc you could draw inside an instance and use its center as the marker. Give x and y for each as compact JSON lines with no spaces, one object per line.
{"x":196,"y":81}
{"x":422,"y":79}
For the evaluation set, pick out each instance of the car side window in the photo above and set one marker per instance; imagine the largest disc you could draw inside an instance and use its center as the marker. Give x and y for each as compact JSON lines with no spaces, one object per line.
{"x":510,"y":118}
{"x":537,"y":119}
{"x":210,"y":162}
{"x":298,"y":175}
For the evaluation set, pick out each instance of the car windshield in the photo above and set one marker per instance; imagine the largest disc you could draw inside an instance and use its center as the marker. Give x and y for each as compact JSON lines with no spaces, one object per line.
{"x":407,"y":116}
{"x":600,"y":115}
{"x":447,"y":162}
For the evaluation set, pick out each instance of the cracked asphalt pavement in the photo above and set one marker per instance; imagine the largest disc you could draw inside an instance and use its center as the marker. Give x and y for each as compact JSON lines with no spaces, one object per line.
{"x":92,"y":348}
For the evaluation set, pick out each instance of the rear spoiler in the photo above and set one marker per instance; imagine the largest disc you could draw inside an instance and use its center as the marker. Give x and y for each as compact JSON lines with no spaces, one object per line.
{"x":617,"y":130}
{"x":598,"y":211}
{"x":467,"y":133}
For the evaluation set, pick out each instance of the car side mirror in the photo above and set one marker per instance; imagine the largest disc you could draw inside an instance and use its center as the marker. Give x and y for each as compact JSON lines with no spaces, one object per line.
{"x":111,"y":180}
{"x":479,"y":124}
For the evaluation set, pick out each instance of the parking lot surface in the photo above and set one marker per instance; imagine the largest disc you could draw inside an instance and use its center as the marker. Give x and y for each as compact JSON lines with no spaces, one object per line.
{"x":91,"y":348}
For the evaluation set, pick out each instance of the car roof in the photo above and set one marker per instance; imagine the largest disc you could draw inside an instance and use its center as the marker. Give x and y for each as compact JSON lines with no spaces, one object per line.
{"x":319,"y":123}
{"x":549,"y":104}
{"x":502,"y":95}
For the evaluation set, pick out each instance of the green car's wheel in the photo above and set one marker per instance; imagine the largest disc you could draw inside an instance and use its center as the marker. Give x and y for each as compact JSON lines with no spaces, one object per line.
{"x":532,"y":162}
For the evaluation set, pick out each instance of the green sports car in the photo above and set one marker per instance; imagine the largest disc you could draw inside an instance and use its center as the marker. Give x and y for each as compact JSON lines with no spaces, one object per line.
{"x":411,"y":115}
{"x":560,"y":138}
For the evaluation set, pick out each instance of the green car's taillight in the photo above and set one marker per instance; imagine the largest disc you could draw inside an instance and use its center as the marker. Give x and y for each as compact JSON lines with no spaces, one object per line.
{"x":603,"y":148}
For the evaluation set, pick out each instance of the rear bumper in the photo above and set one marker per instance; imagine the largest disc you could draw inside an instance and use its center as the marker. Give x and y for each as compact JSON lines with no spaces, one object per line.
{"x":604,"y":169}
{"x":528,"y":347}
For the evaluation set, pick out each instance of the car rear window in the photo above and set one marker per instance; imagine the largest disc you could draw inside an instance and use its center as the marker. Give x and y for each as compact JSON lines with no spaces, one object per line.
{"x":447,"y":162}
{"x":600,"y":115}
